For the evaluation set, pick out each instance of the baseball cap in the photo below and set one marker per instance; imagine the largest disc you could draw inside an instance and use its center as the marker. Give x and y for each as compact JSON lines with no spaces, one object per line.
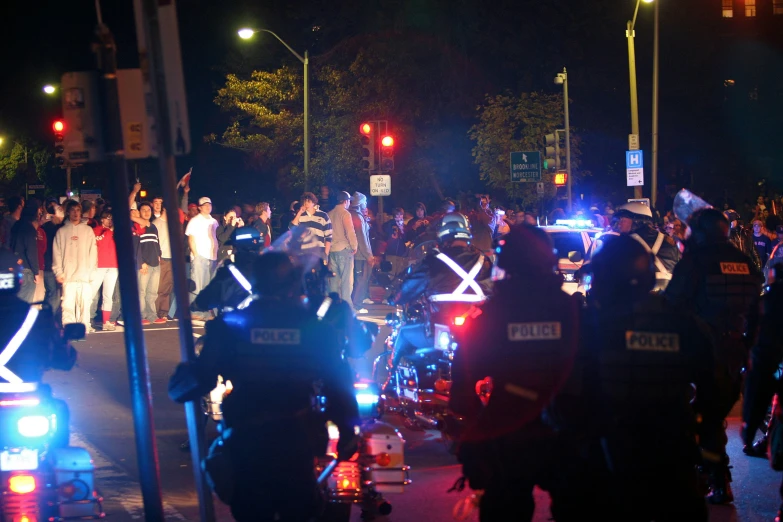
{"x":202,"y":201}
{"x":343,"y":196}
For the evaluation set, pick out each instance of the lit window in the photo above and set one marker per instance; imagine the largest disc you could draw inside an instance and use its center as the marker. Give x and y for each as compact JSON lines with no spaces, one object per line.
{"x":750,"y":8}
{"x":777,"y":7}
{"x":728,"y":8}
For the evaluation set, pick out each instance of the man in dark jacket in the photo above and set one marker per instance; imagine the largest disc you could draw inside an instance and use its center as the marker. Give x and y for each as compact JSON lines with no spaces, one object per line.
{"x":24,"y":243}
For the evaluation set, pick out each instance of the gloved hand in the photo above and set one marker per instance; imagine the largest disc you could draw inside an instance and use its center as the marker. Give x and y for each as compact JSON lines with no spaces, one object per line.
{"x":347,"y":445}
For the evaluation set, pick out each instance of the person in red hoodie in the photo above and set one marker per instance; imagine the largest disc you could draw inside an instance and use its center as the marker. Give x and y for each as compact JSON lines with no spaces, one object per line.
{"x":106,"y":273}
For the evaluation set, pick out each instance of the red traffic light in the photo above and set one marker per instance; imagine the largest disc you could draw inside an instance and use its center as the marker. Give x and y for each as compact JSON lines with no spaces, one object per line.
{"x":365,"y":128}
{"x":387,"y":141}
{"x":561,"y":178}
{"x":58,"y":126}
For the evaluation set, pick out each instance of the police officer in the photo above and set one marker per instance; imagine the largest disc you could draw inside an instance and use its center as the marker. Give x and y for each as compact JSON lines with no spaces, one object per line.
{"x":765,"y":358}
{"x":638,"y":359}
{"x":516,"y":353}
{"x":636,"y":220}
{"x":233,"y":280}
{"x":720,"y":285}
{"x":450,"y":279}
{"x":31,"y":341}
{"x":279,"y":357}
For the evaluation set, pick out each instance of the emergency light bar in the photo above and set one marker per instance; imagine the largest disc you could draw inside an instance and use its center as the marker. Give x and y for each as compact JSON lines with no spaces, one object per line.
{"x":577,"y":223}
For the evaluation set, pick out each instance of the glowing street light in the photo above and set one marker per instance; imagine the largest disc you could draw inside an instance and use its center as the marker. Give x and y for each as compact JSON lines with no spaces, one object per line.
{"x":246,"y":34}
{"x":49,"y":89}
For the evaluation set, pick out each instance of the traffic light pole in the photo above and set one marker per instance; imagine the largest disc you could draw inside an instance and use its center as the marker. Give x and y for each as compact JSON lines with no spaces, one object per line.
{"x":135,"y":350}
{"x":150,"y":20}
{"x":68,"y":180}
{"x":654,"y":173}
{"x":637,"y":190}
{"x":567,"y":138}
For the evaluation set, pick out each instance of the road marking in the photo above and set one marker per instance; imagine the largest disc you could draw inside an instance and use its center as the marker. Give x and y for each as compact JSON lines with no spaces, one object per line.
{"x":117,"y":486}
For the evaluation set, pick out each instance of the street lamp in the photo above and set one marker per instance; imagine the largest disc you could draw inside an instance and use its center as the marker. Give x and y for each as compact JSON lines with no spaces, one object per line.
{"x":629,"y":34}
{"x":246,"y":34}
{"x":49,"y":89}
{"x":562,"y":79}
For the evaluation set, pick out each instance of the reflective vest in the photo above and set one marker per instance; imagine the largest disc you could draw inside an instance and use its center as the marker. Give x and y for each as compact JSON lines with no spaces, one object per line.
{"x":14,"y":344}
{"x":468,"y":280}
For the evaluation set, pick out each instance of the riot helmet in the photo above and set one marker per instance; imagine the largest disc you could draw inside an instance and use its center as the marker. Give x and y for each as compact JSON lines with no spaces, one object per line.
{"x":246,"y":239}
{"x":525,"y":251}
{"x":10,"y":272}
{"x":454,"y":227}
{"x":709,"y":225}
{"x":639,"y":215}
{"x":622,"y":270}
{"x":276,"y":276}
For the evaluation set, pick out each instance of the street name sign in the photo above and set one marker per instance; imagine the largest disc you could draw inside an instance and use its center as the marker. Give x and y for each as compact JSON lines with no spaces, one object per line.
{"x":526,"y":166}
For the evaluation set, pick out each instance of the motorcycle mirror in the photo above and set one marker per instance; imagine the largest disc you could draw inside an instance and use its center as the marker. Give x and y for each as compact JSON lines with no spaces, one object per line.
{"x":574,"y":256}
{"x":386,"y":266}
{"x":74,"y":331}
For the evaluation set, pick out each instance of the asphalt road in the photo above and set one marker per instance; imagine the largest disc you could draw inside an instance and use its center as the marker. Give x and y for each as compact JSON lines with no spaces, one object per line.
{"x":98,"y":394}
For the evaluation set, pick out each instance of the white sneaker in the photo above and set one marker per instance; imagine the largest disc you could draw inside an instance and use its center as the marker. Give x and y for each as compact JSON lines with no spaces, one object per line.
{"x":362,"y":311}
{"x":368,"y":301}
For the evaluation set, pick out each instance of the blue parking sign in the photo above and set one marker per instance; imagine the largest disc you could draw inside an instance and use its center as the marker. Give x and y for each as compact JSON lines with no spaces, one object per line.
{"x":634,"y":159}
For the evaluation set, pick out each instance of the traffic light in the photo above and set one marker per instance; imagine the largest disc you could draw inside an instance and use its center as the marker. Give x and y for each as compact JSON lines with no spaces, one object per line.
{"x":367,"y":130}
{"x":59,"y":142}
{"x":561,"y":178}
{"x":552,"y":152}
{"x":387,"y":154}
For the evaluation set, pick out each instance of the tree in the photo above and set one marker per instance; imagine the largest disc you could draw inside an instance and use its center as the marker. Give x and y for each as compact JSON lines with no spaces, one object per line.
{"x":24,"y":163}
{"x":510,"y":123}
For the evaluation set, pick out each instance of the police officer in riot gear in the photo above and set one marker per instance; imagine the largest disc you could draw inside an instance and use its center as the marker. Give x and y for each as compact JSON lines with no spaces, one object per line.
{"x":279,"y":357}
{"x":512,"y":359}
{"x":233,"y":280}
{"x":31,"y":341}
{"x":641,"y":361}
{"x":765,"y":358}
{"x":719,"y":284}
{"x":451,"y":278}
{"x":636,"y":220}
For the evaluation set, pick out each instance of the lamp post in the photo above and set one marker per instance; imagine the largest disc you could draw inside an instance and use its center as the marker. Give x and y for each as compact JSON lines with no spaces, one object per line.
{"x":246,"y":34}
{"x":654,"y":173}
{"x":629,"y":34}
{"x":562,"y":78}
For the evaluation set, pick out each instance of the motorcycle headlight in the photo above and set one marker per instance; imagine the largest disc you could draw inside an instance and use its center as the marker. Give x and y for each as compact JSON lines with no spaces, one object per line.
{"x":444,"y":339}
{"x":33,"y":426}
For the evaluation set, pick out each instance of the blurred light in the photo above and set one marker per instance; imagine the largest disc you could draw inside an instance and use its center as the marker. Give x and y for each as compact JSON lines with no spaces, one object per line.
{"x":1,"y":141}
{"x":20,"y":402}
{"x":459,"y":321}
{"x":367,"y":398}
{"x":561,"y":178}
{"x":49,"y":89}
{"x":365,"y":128}
{"x":58,"y":126}
{"x":33,"y":426}
{"x":387,"y":141}
{"x":143,"y":193}
{"x":246,"y":34}
{"x":21,"y":484}
{"x":443,"y":340}
{"x":383,"y":459}
{"x":647,"y":1}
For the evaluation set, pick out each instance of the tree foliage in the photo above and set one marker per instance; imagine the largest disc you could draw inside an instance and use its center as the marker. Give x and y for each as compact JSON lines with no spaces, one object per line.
{"x":13,"y":169}
{"x":509,"y":123}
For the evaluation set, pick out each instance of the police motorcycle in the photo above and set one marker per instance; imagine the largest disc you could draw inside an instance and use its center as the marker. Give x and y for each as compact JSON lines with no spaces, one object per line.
{"x":41,"y":476}
{"x":378,"y":465}
{"x":419,"y":387}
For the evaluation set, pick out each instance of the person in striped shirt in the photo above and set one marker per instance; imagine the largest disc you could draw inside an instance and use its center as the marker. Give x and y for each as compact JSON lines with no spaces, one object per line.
{"x":316,"y":228}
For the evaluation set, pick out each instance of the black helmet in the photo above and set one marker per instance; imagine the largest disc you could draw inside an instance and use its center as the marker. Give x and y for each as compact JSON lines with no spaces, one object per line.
{"x":525,"y":251}
{"x":454,"y":226}
{"x":709,"y":225}
{"x":622,"y":269}
{"x":10,"y":272}
{"x":276,"y":275}
{"x":245,"y":238}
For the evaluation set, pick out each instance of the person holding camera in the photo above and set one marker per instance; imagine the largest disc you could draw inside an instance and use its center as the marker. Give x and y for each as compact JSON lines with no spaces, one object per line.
{"x":418,"y":225}
{"x":230,"y":223}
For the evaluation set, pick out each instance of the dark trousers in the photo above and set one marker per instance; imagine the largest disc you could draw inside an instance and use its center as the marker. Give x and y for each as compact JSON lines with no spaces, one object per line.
{"x":361,"y":281}
{"x":53,"y":292}
{"x":165,"y":288}
{"x":409,"y":338}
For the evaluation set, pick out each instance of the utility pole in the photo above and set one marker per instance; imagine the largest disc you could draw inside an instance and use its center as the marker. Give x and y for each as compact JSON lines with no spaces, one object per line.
{"x":629,"y":32}
{"x":567,"y":138}
{"x":136,"y":353}
{"x":654,"y":174}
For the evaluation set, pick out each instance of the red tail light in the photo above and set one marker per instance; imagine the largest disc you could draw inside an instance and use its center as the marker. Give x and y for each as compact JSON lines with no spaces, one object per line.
{"x":459,"y":321}
{"x":21,"y":484}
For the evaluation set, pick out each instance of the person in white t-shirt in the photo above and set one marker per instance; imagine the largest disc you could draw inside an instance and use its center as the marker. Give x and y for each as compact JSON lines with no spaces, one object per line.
{"x":202,"y":239}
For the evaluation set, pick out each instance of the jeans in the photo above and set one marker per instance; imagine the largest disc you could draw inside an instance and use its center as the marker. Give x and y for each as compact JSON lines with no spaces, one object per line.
{"x":165,"y":289}
{"x":341,"y":264}
{"x":361,"y":275}
{"x":27,"y":290}
{"x":201,"y":272}
{"x":53,"y":291}
{"x":148,"y":292}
